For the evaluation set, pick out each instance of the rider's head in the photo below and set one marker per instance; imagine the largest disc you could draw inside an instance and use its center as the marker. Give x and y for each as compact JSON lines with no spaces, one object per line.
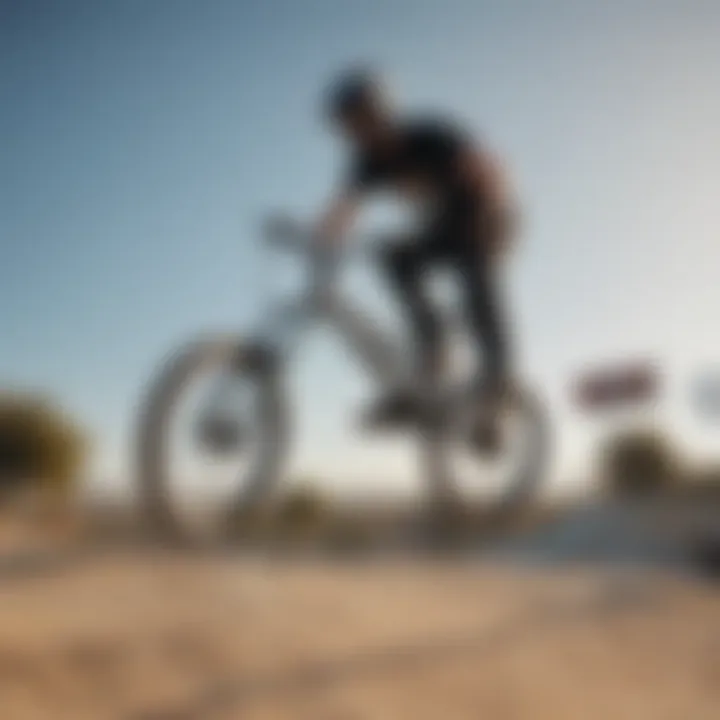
{"x":358,"y":105}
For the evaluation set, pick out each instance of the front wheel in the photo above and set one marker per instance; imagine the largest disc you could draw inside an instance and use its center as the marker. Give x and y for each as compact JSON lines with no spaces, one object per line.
{"x":194,"y":459}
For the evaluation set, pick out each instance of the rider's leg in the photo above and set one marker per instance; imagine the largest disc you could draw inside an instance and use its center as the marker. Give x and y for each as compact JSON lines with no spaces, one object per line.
{"x":486,"y":313}
{"x":483,"y":294}
{"x":405,"y":266}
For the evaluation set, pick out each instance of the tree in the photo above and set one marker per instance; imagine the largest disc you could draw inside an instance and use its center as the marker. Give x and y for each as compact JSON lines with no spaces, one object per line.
{"x":303,"y":509}
{"x":639,"y":463}
{"x":39,"y":444}
{"x":704,"y":482}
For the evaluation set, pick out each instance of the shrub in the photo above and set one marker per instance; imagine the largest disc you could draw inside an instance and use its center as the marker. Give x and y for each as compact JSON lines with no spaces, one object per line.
{"x":704,"y":483}
{"x":302,"y":512}
{"x":303,"y":509}
{"x":39,"y":445}
{"x":639,"y":463}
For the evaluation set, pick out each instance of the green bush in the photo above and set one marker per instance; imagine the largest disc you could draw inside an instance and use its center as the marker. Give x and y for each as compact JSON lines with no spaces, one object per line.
{"x":704,"y":483}
{"x":641,"y":462}
{"x":39,"y":445}
{"x":303,"y":509}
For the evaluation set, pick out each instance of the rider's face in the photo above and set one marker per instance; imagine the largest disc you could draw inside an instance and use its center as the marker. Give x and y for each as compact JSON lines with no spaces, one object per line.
{"x":365,"y":129}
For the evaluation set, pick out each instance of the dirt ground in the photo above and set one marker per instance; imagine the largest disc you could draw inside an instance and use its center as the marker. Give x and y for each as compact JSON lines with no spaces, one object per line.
{"x":135,"y":636}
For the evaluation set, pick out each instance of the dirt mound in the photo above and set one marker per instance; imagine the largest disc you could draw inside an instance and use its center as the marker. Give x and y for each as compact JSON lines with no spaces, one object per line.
{"x":189,"y":639}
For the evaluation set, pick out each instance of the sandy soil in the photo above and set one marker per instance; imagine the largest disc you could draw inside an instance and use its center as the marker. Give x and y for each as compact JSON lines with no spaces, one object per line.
{"x":138,"y":637}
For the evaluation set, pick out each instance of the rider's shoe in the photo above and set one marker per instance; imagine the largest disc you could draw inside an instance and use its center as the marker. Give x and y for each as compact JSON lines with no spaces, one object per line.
{"x":487,"y":436}
{"x":393,"y":411}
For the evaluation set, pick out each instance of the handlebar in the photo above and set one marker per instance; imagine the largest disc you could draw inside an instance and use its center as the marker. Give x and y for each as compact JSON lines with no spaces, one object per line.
{"x":287,"y":234}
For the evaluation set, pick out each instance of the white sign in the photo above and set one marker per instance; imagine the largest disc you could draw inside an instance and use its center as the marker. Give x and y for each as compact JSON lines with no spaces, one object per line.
{"x":706,"y":394}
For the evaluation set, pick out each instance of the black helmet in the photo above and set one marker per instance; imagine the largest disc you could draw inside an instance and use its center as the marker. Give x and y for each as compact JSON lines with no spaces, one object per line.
{"x":356,"y":89}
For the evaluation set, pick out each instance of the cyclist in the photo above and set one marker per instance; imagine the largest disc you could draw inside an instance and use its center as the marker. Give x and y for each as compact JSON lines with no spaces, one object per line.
{"x":466,"y":210}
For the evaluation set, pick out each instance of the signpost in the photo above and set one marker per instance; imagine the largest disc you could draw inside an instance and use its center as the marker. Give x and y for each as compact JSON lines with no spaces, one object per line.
{"x":617,"y":387}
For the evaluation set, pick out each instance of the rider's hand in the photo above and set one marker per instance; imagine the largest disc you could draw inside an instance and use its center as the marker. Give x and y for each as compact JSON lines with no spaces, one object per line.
{"x":336,"y":221}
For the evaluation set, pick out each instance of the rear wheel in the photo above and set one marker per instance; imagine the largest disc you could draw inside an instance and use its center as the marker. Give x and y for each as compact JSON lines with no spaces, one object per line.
{"x":461,"y":476}
{"x":212,"y":437}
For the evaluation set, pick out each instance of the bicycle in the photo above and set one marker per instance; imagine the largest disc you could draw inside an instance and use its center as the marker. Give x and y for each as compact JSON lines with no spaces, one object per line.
{"x":258,"y":364}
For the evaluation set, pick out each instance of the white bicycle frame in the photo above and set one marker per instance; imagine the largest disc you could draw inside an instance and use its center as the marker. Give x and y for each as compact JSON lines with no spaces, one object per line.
{"x":324,"y":303}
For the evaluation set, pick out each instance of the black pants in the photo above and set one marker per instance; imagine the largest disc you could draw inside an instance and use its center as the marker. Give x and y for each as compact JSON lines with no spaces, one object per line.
{"x":460,"y":241}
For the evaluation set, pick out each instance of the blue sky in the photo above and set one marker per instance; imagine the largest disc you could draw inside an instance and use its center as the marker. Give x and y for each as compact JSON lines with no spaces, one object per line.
{"x":140,"y":141}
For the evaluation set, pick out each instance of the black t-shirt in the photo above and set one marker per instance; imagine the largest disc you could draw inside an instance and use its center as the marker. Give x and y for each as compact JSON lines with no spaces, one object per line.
{"x":426,"y":152}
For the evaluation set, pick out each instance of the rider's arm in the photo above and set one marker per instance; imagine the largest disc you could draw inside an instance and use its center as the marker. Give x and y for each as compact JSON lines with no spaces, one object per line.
{"x":338,"y":218}
{"x":342,"y":211}
{"x":483,"y":174}
{"x":485,"y":177}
